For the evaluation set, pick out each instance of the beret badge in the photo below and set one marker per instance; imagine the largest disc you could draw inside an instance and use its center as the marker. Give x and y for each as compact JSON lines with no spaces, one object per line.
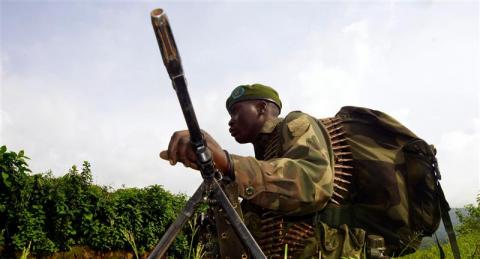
{"x":237,"y":92}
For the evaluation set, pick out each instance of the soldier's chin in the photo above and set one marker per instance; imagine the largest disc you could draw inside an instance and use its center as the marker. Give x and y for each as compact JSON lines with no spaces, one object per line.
{"x":240,"y":140}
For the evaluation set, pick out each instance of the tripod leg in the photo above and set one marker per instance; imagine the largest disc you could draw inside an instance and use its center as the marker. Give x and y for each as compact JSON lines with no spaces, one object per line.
{"x":237,"y":222}
{"x":177,"y":225}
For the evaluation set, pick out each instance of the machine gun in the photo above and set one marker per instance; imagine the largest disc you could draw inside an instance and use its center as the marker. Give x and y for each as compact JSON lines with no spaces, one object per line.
{"x":210,"y":185}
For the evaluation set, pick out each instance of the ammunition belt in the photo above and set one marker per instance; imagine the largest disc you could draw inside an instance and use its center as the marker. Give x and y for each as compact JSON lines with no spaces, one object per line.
{"x":278,"y":235}
{"x":281,"y":233}
{"x":343,"y":160}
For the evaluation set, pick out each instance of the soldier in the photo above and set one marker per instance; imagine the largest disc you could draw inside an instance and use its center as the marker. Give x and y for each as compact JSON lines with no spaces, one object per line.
{"x":290,"y":179}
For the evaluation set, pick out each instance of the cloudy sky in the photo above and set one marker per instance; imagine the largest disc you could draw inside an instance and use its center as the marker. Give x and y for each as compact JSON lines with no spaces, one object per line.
{"x":84,"y":80}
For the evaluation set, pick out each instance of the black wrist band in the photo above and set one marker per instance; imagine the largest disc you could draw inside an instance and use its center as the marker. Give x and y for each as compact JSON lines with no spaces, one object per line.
{"x":230,"y":173}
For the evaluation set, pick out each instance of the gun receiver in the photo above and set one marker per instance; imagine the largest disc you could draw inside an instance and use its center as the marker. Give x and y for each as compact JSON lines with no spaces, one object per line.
{"x":172,"y":61}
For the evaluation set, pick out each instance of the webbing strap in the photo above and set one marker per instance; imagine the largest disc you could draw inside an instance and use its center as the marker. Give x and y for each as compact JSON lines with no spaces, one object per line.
{"x":447,"y":222}
{"x":335,"y":216}
{"x":440,"y":249}
{"x":354,"y":217}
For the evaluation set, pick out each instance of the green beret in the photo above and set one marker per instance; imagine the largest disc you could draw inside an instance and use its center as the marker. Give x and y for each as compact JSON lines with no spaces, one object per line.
{"x":253,"y":92}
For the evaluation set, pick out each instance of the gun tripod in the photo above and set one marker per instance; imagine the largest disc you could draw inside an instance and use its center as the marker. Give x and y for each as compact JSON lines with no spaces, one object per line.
{"x":171,"y":59}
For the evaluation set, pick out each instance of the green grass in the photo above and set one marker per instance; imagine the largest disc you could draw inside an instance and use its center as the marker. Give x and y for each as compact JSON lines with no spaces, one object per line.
{"x":469,"y":246}
{"x":128,"y":235}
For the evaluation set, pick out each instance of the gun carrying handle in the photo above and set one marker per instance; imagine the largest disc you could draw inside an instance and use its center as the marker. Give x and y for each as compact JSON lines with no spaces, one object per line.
{"x":168,"y":48}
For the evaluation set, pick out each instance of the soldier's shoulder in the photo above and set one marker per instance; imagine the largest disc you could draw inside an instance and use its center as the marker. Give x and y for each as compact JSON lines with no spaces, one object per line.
{"x":298,"y":122}
{"x":295,"y":115}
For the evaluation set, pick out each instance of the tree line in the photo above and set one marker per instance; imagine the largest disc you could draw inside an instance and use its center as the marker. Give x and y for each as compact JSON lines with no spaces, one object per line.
{"x":50,"y":214}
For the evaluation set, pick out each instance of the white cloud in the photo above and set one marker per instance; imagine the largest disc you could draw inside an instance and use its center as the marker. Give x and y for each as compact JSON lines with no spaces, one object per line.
{"x":341,"y":85}
{"x":459,"y":158}
{"x":58,"y":128}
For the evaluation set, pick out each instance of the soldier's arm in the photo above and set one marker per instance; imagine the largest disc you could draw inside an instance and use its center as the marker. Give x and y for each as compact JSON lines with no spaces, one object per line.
{"x":301,"y":181}
{"x":180,"y":150}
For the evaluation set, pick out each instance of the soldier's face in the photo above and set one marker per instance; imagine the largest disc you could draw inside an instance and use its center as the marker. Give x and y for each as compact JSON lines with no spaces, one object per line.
{"x":245,"y":121}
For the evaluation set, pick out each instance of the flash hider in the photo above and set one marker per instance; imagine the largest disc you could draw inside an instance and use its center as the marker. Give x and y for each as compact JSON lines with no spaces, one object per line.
{"x":165,"y":39}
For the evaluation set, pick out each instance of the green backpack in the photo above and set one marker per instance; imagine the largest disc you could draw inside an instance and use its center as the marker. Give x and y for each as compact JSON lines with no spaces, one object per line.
{"x":394,"y":188}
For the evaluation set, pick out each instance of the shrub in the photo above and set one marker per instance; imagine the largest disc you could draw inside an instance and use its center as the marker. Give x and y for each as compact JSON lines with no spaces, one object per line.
{"x":55,"y":214}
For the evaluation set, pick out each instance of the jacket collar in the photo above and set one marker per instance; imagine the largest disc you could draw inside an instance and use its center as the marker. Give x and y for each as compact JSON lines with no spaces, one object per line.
{"x":270,"y":125}
{"x":264,"y":137}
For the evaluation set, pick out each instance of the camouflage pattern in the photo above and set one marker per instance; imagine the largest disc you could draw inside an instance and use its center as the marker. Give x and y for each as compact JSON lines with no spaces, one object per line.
{"x":293,"y":169}
{"x":290,"y":179}
{"x":339,"y":242}
{"x":393,"y":191}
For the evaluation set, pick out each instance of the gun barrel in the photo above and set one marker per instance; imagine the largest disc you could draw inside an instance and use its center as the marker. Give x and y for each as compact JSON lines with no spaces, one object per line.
{"x":172,"y":62}
{"x":166,"y":42}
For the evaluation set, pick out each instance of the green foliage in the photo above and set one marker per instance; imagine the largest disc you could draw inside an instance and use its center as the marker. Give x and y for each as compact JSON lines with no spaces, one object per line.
{"x":469,"y":246}
{"x":470,"y":221}
{"x":468,"y":236}
{"x":25,"y":252}
{"x":55,"y":214}
{"x":41,"y":214}
{"x":196,"y":249}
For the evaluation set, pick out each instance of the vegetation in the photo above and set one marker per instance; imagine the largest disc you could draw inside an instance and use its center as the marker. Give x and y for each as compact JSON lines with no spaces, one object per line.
{"x":41,"y":214}
{"x":468,"y":236}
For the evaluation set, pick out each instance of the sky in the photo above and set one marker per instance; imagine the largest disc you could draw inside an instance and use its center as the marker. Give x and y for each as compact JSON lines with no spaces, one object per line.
{"x":84,"y":80}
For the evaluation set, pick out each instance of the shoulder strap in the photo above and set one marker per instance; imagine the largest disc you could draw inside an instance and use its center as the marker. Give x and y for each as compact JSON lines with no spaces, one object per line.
{"x":447,"y":222}
{"x":444,"y":208}
{"x":442,"y":253}
{"x":335,"y":216}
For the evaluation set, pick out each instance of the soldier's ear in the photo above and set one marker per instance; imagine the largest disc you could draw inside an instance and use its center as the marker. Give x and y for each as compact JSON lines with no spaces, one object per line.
{"x":261,"y":107}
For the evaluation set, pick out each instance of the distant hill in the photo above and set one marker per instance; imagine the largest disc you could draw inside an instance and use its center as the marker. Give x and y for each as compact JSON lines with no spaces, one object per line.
{"x":441,"y":232}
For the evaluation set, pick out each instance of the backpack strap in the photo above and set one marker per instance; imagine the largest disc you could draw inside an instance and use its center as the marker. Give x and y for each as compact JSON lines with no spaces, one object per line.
{"x":335,"y":216}
{"x":442,"y":253}
{"x":447,"y":222}
{"x":444,"y":208}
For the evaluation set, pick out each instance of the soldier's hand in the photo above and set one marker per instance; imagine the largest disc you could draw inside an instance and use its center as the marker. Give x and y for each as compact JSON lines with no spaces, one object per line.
{"x":180,"y":150}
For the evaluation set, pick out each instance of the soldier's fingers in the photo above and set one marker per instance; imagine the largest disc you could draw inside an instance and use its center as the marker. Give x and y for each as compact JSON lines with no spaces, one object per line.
{"x":191,"y":158}
{"x":173,"y":145}
{"x":164,"y":155}
{"x":190,"y":154}
{"x":182,"y":149}
{"x":193,"y":164}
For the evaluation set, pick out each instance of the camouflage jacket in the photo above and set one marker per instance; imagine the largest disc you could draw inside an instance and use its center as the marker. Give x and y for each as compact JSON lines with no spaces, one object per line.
{"x":292,"y":171}
{"x":291,"y":174}
{"x":294,"y":175}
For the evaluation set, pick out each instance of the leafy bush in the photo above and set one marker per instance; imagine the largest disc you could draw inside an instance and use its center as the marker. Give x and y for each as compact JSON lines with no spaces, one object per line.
{"x":55,"y":214}
{"x":470,"y":220}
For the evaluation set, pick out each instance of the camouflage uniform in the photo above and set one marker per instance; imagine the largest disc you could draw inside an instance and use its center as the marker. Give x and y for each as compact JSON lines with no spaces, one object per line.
{"x":319,"y":186}
{"x":292,"y":171}
{"x":283,"y":188}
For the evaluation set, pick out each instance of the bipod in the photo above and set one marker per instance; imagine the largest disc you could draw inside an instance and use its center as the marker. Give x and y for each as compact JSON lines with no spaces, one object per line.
{"x":171,"y":59}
